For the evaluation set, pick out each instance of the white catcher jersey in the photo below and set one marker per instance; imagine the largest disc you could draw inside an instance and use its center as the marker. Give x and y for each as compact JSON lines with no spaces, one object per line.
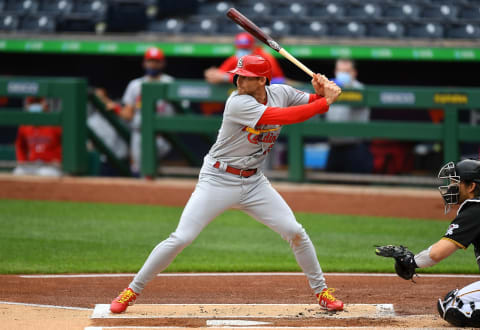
{"x":243,"y":144}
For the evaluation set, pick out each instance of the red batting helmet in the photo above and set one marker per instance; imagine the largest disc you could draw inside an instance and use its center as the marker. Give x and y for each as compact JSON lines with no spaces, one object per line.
{"x":154,"y":53}
{"x":244,"y":40}
{"x":252,"y":66}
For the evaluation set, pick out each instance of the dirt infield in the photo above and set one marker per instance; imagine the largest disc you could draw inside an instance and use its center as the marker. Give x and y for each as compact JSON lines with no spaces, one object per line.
{"x":376,"y":201}
{"x":414,"y":304}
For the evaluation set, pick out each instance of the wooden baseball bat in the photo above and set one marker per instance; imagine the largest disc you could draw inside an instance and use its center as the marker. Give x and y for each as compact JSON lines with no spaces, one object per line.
{"x":253,"y":29}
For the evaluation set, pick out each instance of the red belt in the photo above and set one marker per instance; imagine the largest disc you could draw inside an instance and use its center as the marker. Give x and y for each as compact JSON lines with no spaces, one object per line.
{"x":236,"y":171}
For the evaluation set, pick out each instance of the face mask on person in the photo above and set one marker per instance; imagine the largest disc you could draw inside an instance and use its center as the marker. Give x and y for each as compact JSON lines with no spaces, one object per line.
{"x":242,"y":52}
{"x":152,"y":72}
{"x":343,"y":78}
{"x":35,"y":108}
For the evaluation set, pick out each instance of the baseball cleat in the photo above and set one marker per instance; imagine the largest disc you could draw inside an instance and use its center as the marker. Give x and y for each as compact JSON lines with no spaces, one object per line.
{"x":126,"y":298}
{"x":327,"y":301}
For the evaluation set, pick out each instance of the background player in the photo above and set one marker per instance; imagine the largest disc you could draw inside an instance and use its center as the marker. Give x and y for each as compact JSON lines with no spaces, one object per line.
{"x":245,"y":45}
{"x":231,"y":175}
{"x":459,"y":307}
{"x":38,"y":148}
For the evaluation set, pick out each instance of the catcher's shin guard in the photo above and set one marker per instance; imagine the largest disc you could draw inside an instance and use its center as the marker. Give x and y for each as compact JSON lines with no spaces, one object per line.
{"x":453,"y":310}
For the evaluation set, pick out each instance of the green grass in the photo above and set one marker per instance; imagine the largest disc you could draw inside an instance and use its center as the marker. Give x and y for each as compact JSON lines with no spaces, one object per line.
{"x":67,"y":237}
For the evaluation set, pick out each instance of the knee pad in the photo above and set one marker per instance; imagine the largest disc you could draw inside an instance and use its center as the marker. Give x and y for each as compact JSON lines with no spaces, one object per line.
{"x":453,"y":310}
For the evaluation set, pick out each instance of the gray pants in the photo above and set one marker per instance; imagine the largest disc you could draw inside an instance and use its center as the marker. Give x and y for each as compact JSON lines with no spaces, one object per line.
{"x":217,"y":191}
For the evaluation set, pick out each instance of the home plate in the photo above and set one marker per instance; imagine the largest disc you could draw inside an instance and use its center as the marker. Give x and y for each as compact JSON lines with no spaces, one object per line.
{"x":229,"y":311}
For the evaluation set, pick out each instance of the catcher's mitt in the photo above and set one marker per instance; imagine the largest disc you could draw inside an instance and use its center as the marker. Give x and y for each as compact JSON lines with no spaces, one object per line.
{"x":404,"y":259}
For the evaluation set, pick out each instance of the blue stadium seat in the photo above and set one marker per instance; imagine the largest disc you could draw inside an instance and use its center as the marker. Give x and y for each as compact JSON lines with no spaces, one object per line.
{"x":200,"y":25}
{"x":463,"y":31}
{"x":2,"y":6}
{"x":364,"y":10}
{"x":328,"y":9}
{"x":386,"y":30}
{"x":55,"y":7}
{"x":21,"y":6}
{"x":469,"y":13}
{"x":38,"y":23}
{"x":293,"y":9}
{"x":312,"y":28}
{"x":226,"y":26}
{"x":168,"y":26}
{"x":403,"y":11}
{"x":280,"y":27}
{"x":78,"y":22}
{"x":440,"y":12}
{"x":126,"y":16}
{"x":8,"y":22}
{"x":92,"y":7}
{"x":348,"y":29}
{"x":214,"y":8}
{"x":425,"y":30}
{"x":250,"y":9}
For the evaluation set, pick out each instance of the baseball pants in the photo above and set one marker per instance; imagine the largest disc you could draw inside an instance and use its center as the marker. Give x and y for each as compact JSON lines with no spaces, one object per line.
{"x":217,"y":191}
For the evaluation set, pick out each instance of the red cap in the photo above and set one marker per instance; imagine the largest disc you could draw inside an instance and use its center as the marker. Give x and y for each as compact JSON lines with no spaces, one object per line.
{"x":244,"y":40}
{"x":154,"y":53}
{"x":252,"y":66}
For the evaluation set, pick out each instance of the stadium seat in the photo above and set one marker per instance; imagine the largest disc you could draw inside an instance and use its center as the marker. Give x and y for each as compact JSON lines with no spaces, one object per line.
{"x":440,"y":12}
{"x":38,"y":23}
{"x":469,"y":13}
{"x":463,"y":31}
{"x":310,"y":28}
{"x":92,"y":7}
{"x":348,"y":29}
{"x":260,"y":8}
{"x":55,"y":7}
{"x":2,"y":6}
{"x":425,"y":30}
{"x":404,"y":11}
{"x":386,"y":30}
{"x":329,"y":9}
{"x":21,"y":6}
{"x":214,"y":8}
{"x":293,"y":9}
{"x":280,"y":27}
{"x":199,"y":25}
{"x":364,"y":10}
{"x":225,"y":26}
{"x":77,"y":23}
{"x":169,"y":26}
{"x":126,"y":16}
{"x":8,"y":22}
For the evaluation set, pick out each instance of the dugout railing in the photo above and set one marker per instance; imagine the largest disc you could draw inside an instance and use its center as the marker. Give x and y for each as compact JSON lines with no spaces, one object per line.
{"x":71,"y":94}
{"x":450,"y":132}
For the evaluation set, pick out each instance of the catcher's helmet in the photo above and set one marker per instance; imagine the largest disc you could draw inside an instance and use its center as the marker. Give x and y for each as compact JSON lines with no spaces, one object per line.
{"x":252,"y":66}
{"x":466,"y":170}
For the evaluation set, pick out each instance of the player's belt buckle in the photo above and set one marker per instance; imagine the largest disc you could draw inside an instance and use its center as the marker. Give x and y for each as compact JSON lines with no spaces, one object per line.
{"x":241,"y":173}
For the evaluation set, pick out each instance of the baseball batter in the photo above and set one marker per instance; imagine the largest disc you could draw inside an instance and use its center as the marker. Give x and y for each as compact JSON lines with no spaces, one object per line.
{"x":459,"y":307}
{"x":230,"y":175}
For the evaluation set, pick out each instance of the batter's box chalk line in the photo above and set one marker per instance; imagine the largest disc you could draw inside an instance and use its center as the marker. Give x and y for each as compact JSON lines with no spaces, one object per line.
{"x":243,"y":311}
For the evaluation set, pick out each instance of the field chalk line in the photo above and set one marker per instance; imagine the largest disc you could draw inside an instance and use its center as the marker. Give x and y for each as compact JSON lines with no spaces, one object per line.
{"x":243,"y":274}
{"x":46,"y":306}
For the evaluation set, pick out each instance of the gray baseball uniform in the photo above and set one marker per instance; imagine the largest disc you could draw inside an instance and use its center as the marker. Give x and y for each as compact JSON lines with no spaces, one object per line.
{"x":132,"y":97}
{"x":243,"y":145}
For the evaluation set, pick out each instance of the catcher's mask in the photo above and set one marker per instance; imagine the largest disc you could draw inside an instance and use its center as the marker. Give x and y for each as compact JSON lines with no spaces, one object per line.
{"x":451,"y":191}
{"x":467,"y":170}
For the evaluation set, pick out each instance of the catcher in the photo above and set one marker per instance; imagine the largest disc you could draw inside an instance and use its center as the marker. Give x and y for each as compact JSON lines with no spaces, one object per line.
{"x":459,"y":307}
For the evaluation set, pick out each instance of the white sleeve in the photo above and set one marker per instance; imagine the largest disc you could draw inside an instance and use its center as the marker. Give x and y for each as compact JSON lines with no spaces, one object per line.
{"x":295,"y":96}
{"x":244,"y":110}
{"x":130,"y":95}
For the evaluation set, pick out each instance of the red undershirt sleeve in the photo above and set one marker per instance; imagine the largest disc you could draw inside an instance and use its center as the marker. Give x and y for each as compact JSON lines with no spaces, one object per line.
{"x":293,"y":115}
{"x":314,"y":97}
